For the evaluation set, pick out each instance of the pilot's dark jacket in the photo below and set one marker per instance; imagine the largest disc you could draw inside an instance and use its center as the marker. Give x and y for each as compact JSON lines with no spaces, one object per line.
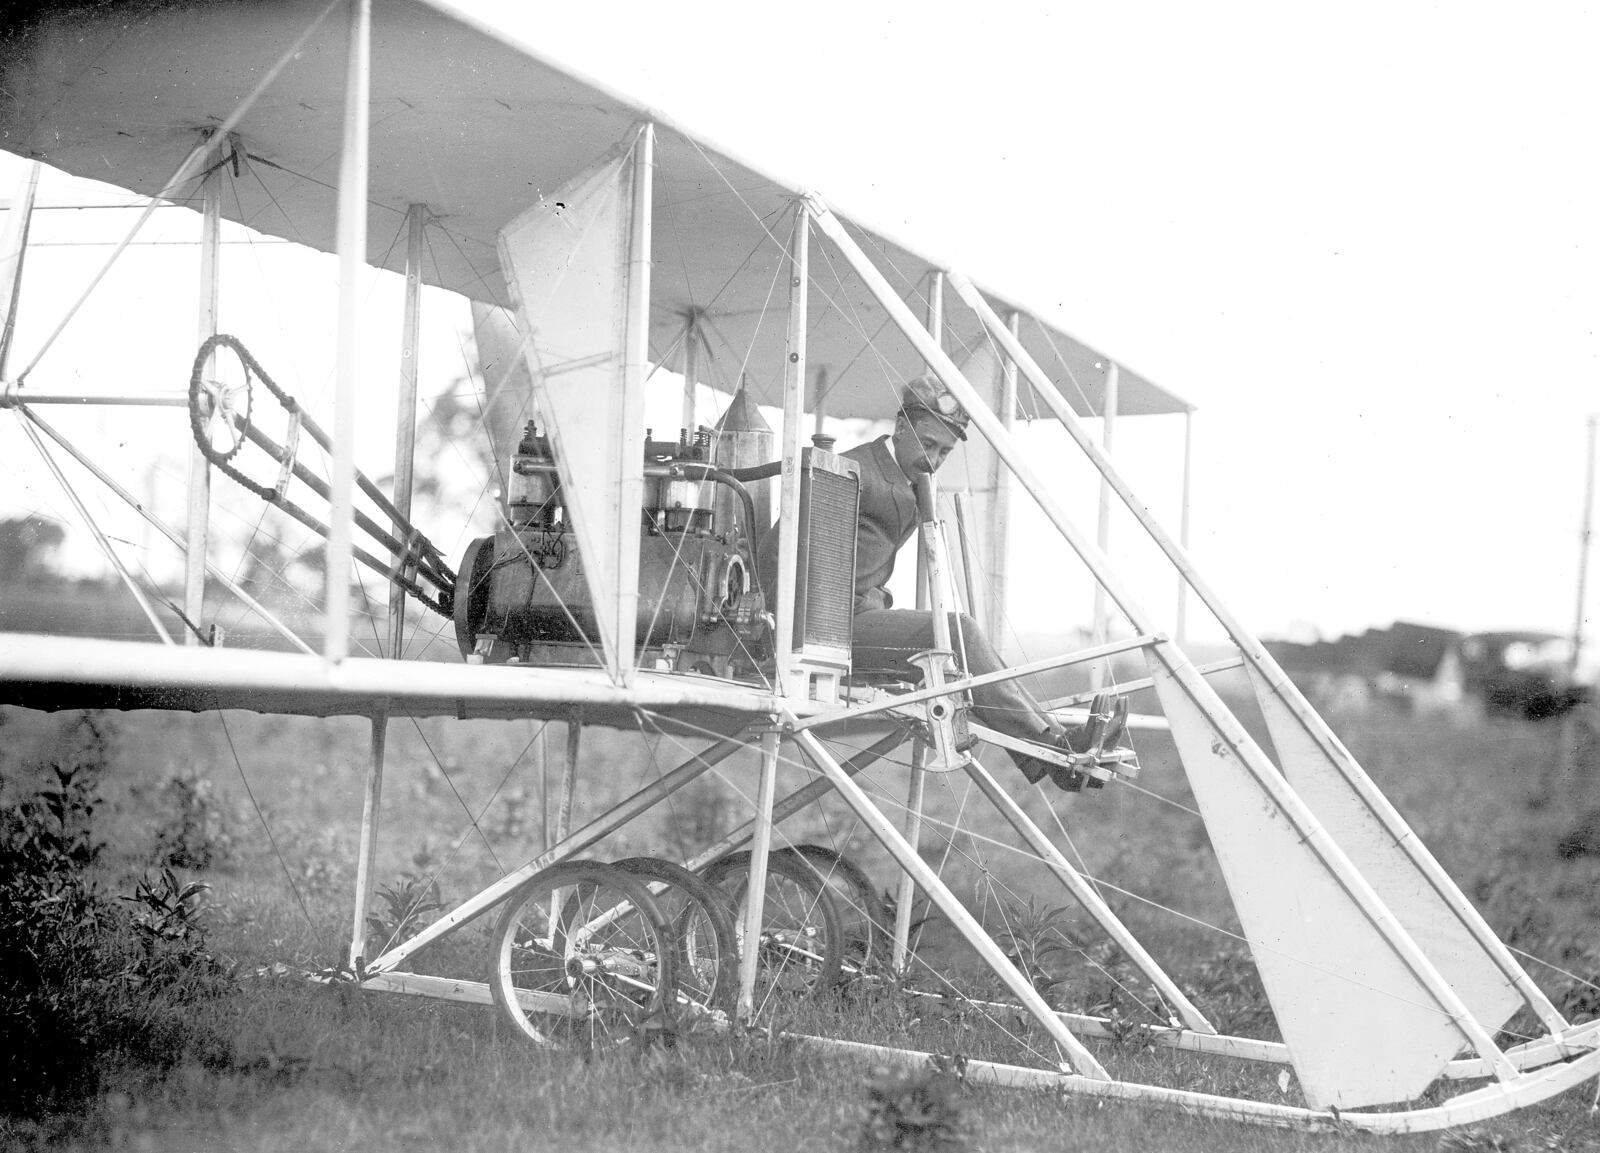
{"x":888,"y":518}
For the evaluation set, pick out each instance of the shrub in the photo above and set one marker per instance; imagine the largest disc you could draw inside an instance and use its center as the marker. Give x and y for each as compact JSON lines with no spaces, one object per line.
{"x":1229,"y":987}
{"x":317,"y":861}
{"x":916,"y":1109}
{"x":167,"y":925}
{"x":51,"y":927}
{"x":82,"y":980}
{"x":195,"y":832}
{"x":407,"y":907}
{"x":1036,"y":940}
{"x":517,"y":818}
{"x":1578,"y":997}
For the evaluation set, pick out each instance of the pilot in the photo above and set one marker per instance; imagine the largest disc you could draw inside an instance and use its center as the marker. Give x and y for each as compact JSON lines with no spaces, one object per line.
{"x":927,"y":427}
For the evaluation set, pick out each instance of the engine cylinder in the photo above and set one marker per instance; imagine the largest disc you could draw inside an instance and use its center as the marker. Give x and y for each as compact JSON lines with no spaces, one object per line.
{"x":533,"y":492}
{"x":676,"y":502}
{"x":523,"y":592}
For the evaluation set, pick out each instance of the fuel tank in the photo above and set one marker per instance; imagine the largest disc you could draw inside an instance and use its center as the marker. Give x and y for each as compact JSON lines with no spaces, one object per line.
{"x":744,"y":440}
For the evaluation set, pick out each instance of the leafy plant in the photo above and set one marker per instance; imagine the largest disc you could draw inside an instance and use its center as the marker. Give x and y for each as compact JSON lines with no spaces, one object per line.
{"x":1124,"y":1032}
{"x":407,"y":907}
{"x":1034,"y":939}
{"x":52,"y":831}
{"x":195,"y":833}
{"x":168,"y":909}
{"x":1475,"y":1140}
{"x":166,"y":921}
{"x":315,"y":859}
{"x":78,"y":973}
{"x":1579,"y":997}
{"x":1229,"y":986}
{"x":46,"y":844}
{"x":914,"y":1109}
{"x":515,"y":819}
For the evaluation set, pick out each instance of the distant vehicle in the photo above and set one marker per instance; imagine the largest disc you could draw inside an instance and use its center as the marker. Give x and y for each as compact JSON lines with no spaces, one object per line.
{"x":1524,"y":674}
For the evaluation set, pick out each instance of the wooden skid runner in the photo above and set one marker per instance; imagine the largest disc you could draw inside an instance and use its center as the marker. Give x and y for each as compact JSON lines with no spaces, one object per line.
{"x":1478,"y":1105}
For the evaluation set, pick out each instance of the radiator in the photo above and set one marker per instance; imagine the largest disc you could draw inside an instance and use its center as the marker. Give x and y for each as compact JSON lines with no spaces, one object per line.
{"x":830,"y":495}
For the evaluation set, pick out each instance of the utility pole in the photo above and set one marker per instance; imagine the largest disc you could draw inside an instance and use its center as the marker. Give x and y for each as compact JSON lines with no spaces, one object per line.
{"x":1571,"y":728}
{"x":1584,"y":535}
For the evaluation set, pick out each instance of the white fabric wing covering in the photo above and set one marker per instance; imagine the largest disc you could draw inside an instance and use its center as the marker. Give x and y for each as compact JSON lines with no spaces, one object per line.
{"x":1439,"y":932}
{"x":508,"y":392}
{"x":566,"y":264}
{"x":1360,"y":1027}
{"x":12,"y":241}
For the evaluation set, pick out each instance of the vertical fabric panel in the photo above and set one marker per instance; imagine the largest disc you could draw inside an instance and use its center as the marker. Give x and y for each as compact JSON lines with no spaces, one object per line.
{"x":1360,"y":1027}
{"x":1487,"y":991}
{"x":565,"y":262}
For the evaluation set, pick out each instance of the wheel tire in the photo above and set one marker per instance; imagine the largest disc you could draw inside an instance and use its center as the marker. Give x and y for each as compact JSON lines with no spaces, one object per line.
{"x":868,"y":930}
{"x":803,"y":935}
{"x":594,"y":975}
{"x":702,"y":923}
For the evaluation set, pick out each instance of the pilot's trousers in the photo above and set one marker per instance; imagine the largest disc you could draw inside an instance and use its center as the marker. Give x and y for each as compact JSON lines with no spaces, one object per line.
{"x":886,"y":639}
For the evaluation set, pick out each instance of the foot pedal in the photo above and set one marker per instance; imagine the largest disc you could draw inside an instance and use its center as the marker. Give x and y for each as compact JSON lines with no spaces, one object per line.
{"x":1092,"y":737}
{"x":1120,"y":758}
{"x":1104,"y":734}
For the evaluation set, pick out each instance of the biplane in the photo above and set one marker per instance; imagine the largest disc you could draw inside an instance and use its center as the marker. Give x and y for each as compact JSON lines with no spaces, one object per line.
{"x":598,"y":243}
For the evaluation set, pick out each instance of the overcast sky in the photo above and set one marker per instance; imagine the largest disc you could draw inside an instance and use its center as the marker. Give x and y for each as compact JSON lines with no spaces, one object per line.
{"x":1362,"y":240}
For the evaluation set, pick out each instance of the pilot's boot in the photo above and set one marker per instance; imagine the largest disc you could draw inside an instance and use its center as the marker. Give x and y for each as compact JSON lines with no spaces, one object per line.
{"x":1032,"y":768}
{"x":1070,"y":780}
{"x":1101,"y":736}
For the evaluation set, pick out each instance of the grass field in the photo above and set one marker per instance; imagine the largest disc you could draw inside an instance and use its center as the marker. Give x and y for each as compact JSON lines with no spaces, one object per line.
{"x":259,"y":1058}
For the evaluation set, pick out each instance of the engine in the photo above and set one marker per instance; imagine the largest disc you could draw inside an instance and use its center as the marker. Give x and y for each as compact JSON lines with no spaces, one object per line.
{"x":521,"y":594}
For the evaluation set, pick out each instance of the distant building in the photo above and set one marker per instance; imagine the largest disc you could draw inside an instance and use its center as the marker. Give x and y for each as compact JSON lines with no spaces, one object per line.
{"x":1423,"y":666}
{"x":1436,"y":671}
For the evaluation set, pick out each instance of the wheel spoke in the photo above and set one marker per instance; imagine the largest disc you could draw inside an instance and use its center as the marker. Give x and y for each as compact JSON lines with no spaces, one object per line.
{"x":802,"y":940}
{"x":610,"y":955}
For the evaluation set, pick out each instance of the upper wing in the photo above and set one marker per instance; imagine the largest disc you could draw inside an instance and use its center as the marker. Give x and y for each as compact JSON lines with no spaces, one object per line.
{"x":477,"y":128}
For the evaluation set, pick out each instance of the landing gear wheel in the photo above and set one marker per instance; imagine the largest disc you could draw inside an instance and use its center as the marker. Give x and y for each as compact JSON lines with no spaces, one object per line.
{"x":702,"y":925}
{"x":582,"y":958}
{"x":868,"y":928}
{"x":802,"y":935}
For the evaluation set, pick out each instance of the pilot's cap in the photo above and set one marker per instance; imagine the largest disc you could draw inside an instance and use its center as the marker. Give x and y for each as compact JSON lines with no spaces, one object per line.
{"x":929,"y":394}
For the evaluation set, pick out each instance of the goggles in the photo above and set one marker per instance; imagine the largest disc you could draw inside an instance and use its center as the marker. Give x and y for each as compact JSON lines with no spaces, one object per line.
{"x":925,"y":396}
{"x":942,"y":404}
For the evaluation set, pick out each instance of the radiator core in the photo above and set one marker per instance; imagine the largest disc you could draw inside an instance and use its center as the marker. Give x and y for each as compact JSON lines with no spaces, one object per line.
{"x":830,"y":496}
